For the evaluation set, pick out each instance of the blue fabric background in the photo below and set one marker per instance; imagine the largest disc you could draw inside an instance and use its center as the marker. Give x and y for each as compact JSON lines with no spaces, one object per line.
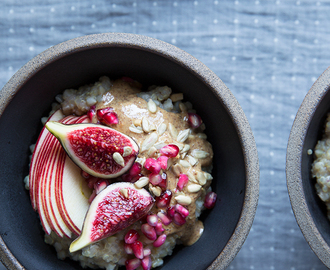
{"x":268,"y":53}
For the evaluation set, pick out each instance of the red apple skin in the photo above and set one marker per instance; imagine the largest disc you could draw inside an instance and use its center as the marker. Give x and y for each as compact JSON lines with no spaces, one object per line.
{"x":46,"y":179}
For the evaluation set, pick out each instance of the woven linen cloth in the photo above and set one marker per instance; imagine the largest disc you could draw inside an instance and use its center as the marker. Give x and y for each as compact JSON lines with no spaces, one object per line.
{"x":268,"y":53}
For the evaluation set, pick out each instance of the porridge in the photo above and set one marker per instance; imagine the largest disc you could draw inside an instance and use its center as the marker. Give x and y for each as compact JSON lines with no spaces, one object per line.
{"x":171,"y":165}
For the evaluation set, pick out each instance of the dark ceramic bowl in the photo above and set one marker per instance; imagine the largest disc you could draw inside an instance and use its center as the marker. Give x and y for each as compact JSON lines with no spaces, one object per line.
{"x":307,"y":129}
{"x":28,"y":95}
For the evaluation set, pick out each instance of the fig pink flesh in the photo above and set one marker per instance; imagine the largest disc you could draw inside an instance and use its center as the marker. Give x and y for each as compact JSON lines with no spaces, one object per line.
{"x":116,"y":212}
{"x":95,"y":147}
{"x":113,"y":209}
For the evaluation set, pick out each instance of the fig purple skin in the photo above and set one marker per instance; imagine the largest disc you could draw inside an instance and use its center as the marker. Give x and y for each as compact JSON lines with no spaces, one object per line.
{"x":98,"y":150}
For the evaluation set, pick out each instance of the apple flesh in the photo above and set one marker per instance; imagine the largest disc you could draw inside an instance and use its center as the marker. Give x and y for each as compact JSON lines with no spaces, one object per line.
{"x":58,"y":191}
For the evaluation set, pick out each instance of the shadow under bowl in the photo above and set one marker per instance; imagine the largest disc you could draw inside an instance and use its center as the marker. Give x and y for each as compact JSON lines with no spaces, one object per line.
{"x":29,"y":93}
{"x":307,"y":129}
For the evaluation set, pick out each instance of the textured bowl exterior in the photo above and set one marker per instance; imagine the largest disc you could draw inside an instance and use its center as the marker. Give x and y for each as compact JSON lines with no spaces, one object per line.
{"x":307,"y":129}
{"x":29,"y":93}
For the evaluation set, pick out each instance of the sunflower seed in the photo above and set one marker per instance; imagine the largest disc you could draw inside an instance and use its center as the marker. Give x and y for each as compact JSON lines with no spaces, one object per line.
{"x":124,"y":192}
{"x":137,"y":122}
{"x":152,"y":107}
{"x":185,"y":148}
{"x":191,"y":177}
{"x":184,"y":163}
{"x":183,"y":135}
{"x":145,"y":125}
{"x":208,"y":176}
{"x":152,"y":126}
{"x":192,"y":160}
{"x":177,"y":169}
{"x":152,"y":151}
{"x":176,"y":97}
{"x":155,"y":190}
{"x":135,"y":129}
{"x":127,"y":151}
{"x":159,"y":145}
{"x":141,"y":160}
{"x":194,"y":188}
{"x":149,"y":141}
{"x":200,"y":154}
{"x":161,"y":129}
{"x":183,"y":199}
{"x":118,"y":159}
{"x":180,"y":145}
{"x":203,"y":136}
{"x":201,"y":178}
{"x":173,"y":131}
{"x":143,"y":181}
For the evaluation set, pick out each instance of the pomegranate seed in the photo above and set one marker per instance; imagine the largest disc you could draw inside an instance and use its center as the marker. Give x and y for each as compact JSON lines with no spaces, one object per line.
{"x":107,"y":116}
{"x":128,"y":248}
{"x":131,"y":236}
{"x":160,"y":240}
{"x":129,"y":178}
{"x":194,"y":120}
{"x":183,"y":181}
{"x":91,"y":181}
{"x":85,"y":174}
{"x":110,"y":118}
{"x":152,"y":220}
{"x":91,"y":112}
{"x":159,"y":228}
{"x":155,"y":179}
{"x":171,"y":211}
{"x":148,"y":231}
{"x":162,"y":160}
{"x":178,"y":219}
{"x":170,"y":150}
{"x":101,"y":112}
{"x":166,"y":220}
{"x":152,"y":165}
{"x":210,"y":200}
{"x":135,"y":169}
{"x":146,"y":263}
{"x":137,"y":248}
{"x":163,"y":183}
{"x":146,"y":252}
{"x":132,"y":264}
{"x":93,"y":195}
{"x":100,"y":185}
{"x":164,"y":199}
{"x":181,"y":210}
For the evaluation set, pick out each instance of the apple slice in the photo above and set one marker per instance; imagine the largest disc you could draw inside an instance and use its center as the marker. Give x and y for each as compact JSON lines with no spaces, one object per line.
{"x":48,"y":163}
{"x":71,"y":191}
{"x":48,"y":196}
{"x":34,"y":172}
{"x":46,"y":169}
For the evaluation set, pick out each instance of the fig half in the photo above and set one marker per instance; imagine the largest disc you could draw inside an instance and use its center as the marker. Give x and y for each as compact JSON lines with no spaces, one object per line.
{"x":112,"y":210}
{"x":98,"y":150}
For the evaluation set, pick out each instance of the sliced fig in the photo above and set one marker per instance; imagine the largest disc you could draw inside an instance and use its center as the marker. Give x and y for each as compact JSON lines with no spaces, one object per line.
{"x":113,"y":209}
{"x":98,"y":150}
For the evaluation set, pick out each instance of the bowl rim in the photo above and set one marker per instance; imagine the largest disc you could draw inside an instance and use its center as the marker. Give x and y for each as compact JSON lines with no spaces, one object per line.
{"x":294,"y":155}
{"x":186,"y":60}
